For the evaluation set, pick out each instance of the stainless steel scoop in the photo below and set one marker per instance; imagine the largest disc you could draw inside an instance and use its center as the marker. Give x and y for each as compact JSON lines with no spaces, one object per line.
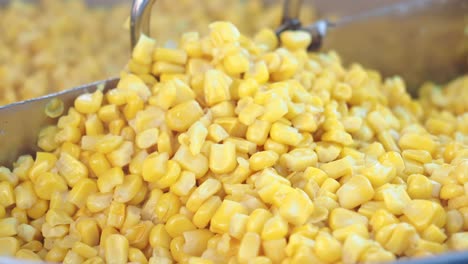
{"x":419,"y":39}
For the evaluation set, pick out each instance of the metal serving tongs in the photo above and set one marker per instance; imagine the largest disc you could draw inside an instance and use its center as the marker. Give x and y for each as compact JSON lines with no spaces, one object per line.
{"x":421,"y":38}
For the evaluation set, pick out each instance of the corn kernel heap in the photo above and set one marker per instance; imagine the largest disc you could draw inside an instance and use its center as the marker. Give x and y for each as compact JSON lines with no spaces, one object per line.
{"x":236,"y":150}
{"x":51,"y":45}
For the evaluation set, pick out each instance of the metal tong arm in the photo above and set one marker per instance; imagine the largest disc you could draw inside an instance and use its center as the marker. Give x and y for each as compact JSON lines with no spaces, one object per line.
{"x":140,"y":19}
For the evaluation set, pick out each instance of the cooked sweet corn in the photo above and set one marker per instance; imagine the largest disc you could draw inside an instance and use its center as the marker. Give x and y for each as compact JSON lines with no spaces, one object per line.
{"x":240,"y":158}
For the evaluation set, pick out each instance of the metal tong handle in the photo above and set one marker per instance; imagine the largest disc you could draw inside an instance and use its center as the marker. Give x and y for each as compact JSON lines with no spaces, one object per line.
{"x":140,"y":16}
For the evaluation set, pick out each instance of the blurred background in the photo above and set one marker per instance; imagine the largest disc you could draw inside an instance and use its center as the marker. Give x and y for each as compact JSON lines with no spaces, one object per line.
{"x":50,"y":45}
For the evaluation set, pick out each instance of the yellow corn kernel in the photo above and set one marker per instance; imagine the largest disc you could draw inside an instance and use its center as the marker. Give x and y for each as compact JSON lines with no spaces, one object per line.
{"x":184,"y":183}
{"x":72,"y":257}
{"x":448,"y":191}
{"x":110,"y":179}
{"x":221,"y":219}
{"x":9,"y":246}
{"x":89,"y":231}
{"x":284,"y":134}
{"x":454,"y":221}
{"x":330,"y":185}
{"x":137,"y":256}
{"x":422,"y":213}
{"x":458,"y":202}
{"x":222,"y":158}
{"x":248,"y":115}
{"x":289,"y":207}
{"x":43,"y":163}
{"x":116,"y":249}
{"x":155,"y":166}
{"x":341,"y":217}
{"x":458,"y":241}
{"x":337,"y":168}
{"x":354,"y":247}
{"x":84,"y":250}
{"x":178,"y":224}
{"x":206,"y":211}
{"x":299,"y":159}
{"x":182,"y":116}
{"x":136,"y":165}
{"x":20,"y":214}
{"x":8,"y":226}
{"x":258,"y":132}
{"x":122,"y":155}
{"x":27,"y":255}
{"x":249,"y":247}
{"x":274,"y":249}
{"x":167,"y":206}
{"x":419,"y":187}
{"x":396,"y":238}
{"x":170,"y":55}
{"x":116,"y":215}
{"x":275,"y":109}
{"x":236,"y":63}
{"x":56,"y":254}
{"x":263,"y":159}
{"x":159,"y":237}
{"x":394,"y":196}
{"x":257,"y":220}
{"x":216,"y":87}
{"x":2,"y":212}
{"x":217,"y":133}
{"x":25,"y":195}
{"x":327,"y":248}
{"x":422,"y":156}
{"x":161,"y":67}
{"x":354,"y":229}
{"x":275,"y":228}
{"x":196,"y":241}
{"x":128,"y":189}
{"x":22,"y":166}
{"x":94,"y":260}
{"x":98,"y":163}
{"x":143,"y":50}
{"x":198,"y":260}
{"x":417,"y":141}
{"x":82,"y":189}
{"x":89,"y":103}
{"x":197,"y":134}
{"x":97,"y":202}
{"x":94,"y":126}
{"x":382,"y":218}
{"x":54,"y":218}
{"x":434,"y":234}
{"x":71,"y":169}
{"x":267,"y":39}
{"x":347,"y":192}
{"x":305,"y":122}
{"x":202,"y":193}
{"x":26,"y":232}
{"x":38,"y":209}
{"x":295,"y":40}
{"x":147,"y":138}
{"x":46,"y":139}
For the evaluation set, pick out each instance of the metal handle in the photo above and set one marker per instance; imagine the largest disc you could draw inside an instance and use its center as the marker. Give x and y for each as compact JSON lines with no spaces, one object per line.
{"x":140,"y":19}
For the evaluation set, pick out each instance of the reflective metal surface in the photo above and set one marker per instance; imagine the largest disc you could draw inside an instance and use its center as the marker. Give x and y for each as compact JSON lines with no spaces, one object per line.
{"x":424,"y":40}
{"x":21,"y":122}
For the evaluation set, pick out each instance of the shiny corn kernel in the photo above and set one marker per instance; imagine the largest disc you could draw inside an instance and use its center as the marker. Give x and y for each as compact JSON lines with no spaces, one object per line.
{"x":223,"y":158}
{"x":347,"y":192}
{"x":295,"y":40}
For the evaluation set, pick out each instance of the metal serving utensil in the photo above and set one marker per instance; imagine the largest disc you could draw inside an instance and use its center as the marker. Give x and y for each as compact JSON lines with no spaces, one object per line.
{"x":357,"y":38}
{"x":435,"y":29}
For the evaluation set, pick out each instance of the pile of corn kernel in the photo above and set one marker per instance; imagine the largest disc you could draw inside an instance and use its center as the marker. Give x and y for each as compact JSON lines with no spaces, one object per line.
{"x":229,"y":149}
{"x":50,"y":45}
